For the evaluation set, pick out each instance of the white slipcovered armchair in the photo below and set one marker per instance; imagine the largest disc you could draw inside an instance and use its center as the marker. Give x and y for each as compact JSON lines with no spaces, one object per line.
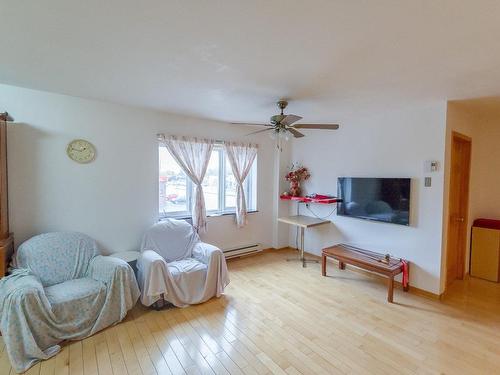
{"x":176,"y":266}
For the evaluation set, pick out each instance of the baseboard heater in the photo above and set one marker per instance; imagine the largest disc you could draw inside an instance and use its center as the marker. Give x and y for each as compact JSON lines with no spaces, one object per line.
{"x":242,"y":250}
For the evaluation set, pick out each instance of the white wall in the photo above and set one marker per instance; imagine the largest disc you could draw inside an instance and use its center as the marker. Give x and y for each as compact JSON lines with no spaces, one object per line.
{"x":386,"y":144}
{"x":115,"y":198}
{"x":485,"y":177}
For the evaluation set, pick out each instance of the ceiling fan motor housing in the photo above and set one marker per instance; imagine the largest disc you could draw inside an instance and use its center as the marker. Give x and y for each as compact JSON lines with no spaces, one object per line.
{"x":282,"y":104}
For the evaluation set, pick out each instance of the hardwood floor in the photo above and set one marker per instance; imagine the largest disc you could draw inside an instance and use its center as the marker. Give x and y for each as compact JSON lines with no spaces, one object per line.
{"x":279,"y":318}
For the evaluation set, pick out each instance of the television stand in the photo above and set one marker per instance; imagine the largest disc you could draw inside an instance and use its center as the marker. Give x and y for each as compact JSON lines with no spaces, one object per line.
{"x":369,"y":261}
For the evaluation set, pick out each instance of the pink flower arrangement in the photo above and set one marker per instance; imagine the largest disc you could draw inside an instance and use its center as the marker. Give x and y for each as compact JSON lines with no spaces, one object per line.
{"x":296,"y":174}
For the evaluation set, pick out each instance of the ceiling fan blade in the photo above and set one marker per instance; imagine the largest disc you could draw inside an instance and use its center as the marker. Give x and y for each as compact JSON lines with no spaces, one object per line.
{"x":6,"y":117}
{"x":317,"y":126}
{"x":295,"y":133}
{"x":290,"y":119}
{"x":251,"y":123}
{"x":260,"y":131}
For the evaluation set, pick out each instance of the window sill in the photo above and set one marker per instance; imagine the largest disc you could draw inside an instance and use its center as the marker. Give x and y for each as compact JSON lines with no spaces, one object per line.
{"x":184,"y":217}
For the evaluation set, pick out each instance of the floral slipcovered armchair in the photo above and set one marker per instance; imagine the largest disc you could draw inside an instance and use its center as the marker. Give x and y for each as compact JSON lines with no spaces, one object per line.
{"x":61,"y":289}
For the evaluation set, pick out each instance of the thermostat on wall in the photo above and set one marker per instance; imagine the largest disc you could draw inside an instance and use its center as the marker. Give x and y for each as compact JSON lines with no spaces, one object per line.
{"x":431,"y":166}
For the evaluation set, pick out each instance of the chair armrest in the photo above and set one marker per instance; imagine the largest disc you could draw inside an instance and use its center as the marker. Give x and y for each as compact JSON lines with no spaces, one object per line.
{"x":203,"y":251}
{"x":149,"y":257}
{"x":18,"y":286}
{"x":103,"y":268}
{"x":122,"y":290}
{"x":152,"y":276}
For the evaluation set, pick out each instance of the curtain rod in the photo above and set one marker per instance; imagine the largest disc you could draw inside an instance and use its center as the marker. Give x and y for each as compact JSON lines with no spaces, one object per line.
{"x":216,"y":141}
{"x":160,"y":135}
{"x":219,"y":142}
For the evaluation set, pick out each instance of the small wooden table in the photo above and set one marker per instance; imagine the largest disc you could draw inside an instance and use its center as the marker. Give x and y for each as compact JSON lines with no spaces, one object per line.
{"x":303,"y":222}
{"x":367,"y":260}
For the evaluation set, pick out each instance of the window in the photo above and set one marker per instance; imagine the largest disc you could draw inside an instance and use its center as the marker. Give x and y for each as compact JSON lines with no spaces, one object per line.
{"x":219,"y":186}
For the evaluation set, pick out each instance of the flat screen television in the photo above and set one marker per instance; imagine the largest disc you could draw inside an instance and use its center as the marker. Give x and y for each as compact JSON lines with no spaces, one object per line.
{"x":377,"y":199}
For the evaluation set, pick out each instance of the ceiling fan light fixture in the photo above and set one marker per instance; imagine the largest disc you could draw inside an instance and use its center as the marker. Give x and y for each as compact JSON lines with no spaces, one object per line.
{"x":274,"y":134}
{"x":285,"y":134}
{"x":280,"y":134}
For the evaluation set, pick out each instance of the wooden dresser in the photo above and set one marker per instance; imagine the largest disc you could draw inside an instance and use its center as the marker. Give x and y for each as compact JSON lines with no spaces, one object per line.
{"x":6,"y":238}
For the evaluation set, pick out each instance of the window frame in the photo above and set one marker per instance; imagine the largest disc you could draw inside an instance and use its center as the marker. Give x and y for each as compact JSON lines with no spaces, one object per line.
{"x":222,"y":209}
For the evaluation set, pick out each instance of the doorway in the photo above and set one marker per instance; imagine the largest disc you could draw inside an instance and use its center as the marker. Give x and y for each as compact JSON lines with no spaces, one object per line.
{"x":461,"y":147}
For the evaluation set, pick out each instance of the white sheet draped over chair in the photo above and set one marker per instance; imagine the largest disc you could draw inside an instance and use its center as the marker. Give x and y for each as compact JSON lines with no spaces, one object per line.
{"x":193,"y":156}
{"x":241,"y":157}
{"x":175,"y":264}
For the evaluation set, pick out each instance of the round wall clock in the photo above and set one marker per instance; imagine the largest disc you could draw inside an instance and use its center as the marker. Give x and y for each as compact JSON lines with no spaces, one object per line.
{"x":81,"y":151}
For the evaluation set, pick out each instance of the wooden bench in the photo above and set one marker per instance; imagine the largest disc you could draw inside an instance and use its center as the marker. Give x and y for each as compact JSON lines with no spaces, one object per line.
{"x":367,"y":260}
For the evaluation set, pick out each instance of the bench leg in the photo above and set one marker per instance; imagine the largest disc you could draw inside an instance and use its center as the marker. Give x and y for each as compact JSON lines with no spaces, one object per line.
{"x":341,"y":265}
{"x":390,"y":290}
{"x":323,"y":264}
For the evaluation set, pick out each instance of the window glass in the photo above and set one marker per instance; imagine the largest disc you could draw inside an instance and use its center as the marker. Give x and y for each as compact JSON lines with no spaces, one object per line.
{"x":173,"y":185}
{"x":251,"y":187}
{"x":229,"y":186}
{"x":211,"y":183}
{"x":176,"y":190}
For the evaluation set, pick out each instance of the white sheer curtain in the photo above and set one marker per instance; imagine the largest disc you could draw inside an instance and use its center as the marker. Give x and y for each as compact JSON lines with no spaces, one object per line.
{"x":241,"y":157}
{"x":193,"y":156}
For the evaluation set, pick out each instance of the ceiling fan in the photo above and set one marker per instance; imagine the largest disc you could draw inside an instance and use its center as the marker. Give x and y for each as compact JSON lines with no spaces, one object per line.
{"x":282,"y":125}
{"x":6,"y":117}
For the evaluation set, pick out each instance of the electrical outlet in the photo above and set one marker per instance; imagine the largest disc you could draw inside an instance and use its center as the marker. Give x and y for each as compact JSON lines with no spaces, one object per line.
{"x":428,"y":182}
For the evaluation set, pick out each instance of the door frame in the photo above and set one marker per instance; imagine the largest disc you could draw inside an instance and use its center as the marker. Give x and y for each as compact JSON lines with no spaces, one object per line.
{"x":461,"y":256}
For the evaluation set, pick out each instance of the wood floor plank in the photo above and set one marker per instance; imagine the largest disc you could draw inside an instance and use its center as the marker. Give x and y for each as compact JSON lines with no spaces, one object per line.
{"x":48,"y":367}
{"x":175,"y":344}
{"x":102,"y":355}
{"x":129,"y":356}
{"x":230,"y":343}
{"x":115,"y":353}
{"x":194,"y":347}
{"x":145,"y":361}
{"x":89,"y":357}
{"x":76,"y":358}
{"x":151,"y":346}
{"x":62,"y":361}
{"x":160,"y":329}
{"x":34,"y":370}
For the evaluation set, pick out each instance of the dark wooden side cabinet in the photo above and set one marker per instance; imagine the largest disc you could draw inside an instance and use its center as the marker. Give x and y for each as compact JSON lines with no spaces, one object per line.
{"x":6,"y":238}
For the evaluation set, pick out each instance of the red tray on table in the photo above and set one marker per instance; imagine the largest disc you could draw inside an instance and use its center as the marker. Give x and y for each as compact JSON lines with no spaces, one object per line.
{"x":319,"y":199}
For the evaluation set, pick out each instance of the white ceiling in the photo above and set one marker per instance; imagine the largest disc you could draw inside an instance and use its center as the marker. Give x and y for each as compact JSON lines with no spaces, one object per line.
{"x":231,"y":60}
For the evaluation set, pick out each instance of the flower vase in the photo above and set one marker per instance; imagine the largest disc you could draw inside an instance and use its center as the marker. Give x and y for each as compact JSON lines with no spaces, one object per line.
{"x":295,"y":188}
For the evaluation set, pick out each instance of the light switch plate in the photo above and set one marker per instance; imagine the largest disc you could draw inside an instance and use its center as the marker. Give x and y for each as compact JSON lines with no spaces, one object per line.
{"x":428,"y":182}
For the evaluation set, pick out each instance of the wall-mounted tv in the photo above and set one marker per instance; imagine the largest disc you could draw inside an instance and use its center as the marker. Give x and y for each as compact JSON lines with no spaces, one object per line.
{"x":378,"y":199}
